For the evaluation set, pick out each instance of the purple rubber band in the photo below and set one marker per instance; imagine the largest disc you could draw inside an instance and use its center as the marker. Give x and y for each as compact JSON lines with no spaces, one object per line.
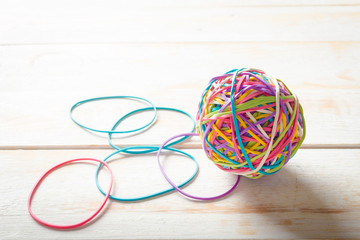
{"x":178,"y":189}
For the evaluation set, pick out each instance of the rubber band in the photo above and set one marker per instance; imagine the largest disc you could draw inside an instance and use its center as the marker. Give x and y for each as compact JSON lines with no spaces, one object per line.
{"x":152,"y":149}
{"x":148,"y":149}
{"x":177,"y":188}
{"x":72,"y":225}
{"x":112,"y":97}
{"x":138,"y":149}
{"x":250,"y":123}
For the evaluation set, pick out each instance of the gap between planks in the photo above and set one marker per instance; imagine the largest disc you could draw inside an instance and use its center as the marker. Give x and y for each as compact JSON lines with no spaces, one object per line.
{"x":169,"y":43}
{"x":180,"y":146}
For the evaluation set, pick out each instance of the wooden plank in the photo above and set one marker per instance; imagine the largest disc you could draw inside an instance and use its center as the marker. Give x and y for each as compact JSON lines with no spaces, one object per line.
{"x":40,"y":83}
{"x":42,"y":22}
{"x":177,"y":3}
{"x":314,"y":196}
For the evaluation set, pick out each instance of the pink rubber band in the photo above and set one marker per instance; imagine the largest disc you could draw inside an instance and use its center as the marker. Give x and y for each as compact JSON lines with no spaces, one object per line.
{"x":77,"y":224}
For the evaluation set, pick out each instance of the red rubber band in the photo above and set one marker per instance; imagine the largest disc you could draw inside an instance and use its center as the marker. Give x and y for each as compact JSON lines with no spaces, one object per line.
{"x":77,"y":224}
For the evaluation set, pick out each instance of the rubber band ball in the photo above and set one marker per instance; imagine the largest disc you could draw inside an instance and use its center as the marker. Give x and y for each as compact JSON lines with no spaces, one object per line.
{"x":249,"y":123}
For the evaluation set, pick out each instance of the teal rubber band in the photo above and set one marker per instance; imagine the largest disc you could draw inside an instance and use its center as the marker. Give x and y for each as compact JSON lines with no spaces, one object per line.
{"x":135,"y":149}
{"x":112,"y":97}
{"x":236,"y":124}
{"x":152,"y":194}
{"x":150,"y":148}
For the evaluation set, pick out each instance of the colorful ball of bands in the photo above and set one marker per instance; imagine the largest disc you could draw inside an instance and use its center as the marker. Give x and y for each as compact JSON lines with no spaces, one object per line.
{"x":250,"y":123}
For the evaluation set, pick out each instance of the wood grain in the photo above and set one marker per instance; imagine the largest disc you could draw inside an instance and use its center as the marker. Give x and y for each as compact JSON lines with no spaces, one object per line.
{"x":53,"y":54}
{"x":72,"y":22}
{"x":40,"y":84}
{"x":314,"y":196}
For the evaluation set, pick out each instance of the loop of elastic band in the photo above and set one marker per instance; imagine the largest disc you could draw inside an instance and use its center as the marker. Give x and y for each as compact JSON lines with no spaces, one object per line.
{"x":72,"y":225}
{"x":112,"y":97}
{"x":137,"y":149}
{"x":176,"y":187}
{"x":152,"y":149}
{"x":148,"y":149}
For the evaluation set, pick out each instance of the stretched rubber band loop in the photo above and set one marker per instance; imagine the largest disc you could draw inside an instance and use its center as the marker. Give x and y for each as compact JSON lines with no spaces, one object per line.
{"x":150,"y":147}
{"x":112,"y":97}
{"x":135,"y":149}
{"x":152,"y":194}
{"x":235,"y":121}
{"x":72,"y":225}
{"x":177,"y":188}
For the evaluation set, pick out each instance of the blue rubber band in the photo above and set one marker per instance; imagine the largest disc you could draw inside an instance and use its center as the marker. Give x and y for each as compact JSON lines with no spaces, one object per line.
{"x":152,"y":194}
{"x":112,"y":97}
{"x":135,"y":149}
{"x":236,"y":124}
{"x":150,"y":148}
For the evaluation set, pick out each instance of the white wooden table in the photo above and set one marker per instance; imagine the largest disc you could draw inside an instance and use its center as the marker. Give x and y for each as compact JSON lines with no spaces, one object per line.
{"x":53,"y":54}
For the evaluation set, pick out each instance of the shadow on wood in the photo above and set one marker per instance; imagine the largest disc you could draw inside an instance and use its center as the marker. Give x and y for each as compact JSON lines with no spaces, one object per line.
{"x":296,"y":205}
